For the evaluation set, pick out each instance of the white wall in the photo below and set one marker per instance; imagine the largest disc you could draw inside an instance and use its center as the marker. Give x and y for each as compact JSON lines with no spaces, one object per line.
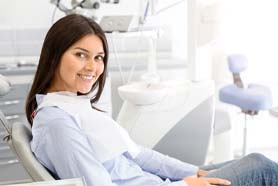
{"x":25,"y":14}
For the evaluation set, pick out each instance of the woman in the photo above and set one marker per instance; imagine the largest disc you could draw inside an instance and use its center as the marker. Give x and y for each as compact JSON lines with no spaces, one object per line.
{"x":72,"y":138}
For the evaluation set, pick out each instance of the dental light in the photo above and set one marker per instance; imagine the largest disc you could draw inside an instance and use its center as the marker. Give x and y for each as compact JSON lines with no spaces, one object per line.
{"x":81,"y":6}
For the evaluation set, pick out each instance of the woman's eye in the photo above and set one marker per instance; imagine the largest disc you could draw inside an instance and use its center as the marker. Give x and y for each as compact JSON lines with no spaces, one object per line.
{"x":99,"y":58}
{"x":80,"y":55}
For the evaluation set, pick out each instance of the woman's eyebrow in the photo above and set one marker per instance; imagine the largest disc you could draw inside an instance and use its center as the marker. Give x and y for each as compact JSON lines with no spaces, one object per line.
{"x":83,"y":49}
{"x":101,"y":53}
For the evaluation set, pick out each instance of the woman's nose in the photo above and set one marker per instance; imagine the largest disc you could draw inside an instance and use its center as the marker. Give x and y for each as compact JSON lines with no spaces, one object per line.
{"x":90,"y":65}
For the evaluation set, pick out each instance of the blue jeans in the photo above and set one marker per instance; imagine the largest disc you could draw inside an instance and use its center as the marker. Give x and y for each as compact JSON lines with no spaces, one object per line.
{"x":253,"y":169}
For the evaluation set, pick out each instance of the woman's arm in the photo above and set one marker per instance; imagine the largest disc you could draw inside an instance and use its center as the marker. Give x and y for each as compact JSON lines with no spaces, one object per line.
{"x":164,"y":166}
{"x":66,"y":151}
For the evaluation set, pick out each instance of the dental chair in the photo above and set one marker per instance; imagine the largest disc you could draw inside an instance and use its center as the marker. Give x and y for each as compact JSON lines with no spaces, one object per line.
{"x":250,"y":99}
{"x":18,"y":136}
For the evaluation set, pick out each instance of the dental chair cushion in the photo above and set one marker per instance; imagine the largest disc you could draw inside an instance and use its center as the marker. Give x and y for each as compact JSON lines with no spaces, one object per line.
{"x":254,"y":97}
{"x":21,"y":137}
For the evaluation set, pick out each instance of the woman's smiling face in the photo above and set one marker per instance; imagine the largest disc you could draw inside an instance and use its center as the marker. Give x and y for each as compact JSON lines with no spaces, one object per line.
{"x":80,"y":66}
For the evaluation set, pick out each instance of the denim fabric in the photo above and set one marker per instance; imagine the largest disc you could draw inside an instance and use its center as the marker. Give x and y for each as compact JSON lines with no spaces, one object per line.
{"x":251,"y":170}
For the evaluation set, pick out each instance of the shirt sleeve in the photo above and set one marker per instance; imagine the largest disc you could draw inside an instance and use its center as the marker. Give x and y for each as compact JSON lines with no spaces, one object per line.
{"x":164,"y":166}
{"x":66,"y":149}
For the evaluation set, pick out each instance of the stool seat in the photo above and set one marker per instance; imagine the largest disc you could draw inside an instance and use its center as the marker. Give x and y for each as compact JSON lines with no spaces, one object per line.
{"x":253,"y":98}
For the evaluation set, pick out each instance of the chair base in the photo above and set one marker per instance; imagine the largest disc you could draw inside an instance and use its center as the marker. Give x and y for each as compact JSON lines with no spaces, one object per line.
{"x":250,"y":112}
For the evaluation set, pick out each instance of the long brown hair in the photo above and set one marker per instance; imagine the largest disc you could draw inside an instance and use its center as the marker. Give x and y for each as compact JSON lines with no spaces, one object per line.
{"x":63,"y":34}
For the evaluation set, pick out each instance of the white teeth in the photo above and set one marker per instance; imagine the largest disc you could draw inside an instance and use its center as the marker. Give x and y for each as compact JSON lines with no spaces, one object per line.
{"x":86,"y":77}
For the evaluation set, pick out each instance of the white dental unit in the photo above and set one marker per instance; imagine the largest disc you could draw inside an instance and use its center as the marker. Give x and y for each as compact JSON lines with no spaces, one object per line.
{"x":173,"y":117}
{"x":176,"y":117}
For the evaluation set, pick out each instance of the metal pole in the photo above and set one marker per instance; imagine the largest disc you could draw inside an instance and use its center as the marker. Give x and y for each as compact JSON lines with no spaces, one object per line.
{"x":244,"y":148}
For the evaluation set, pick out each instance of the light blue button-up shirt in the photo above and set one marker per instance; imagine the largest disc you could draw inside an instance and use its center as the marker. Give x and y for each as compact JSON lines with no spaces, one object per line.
{"x":61,"y":146}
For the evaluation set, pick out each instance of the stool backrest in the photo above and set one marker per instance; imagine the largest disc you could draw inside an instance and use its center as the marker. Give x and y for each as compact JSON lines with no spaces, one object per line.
{"x":237,"y":63}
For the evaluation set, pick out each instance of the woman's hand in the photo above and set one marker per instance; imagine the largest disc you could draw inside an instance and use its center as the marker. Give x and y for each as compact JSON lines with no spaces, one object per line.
{"x":201,"y":172}
{"x":195,"y":181}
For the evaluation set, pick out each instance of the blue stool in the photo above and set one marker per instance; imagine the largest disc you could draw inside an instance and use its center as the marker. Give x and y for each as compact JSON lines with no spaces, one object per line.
{"x":250,"y":99}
